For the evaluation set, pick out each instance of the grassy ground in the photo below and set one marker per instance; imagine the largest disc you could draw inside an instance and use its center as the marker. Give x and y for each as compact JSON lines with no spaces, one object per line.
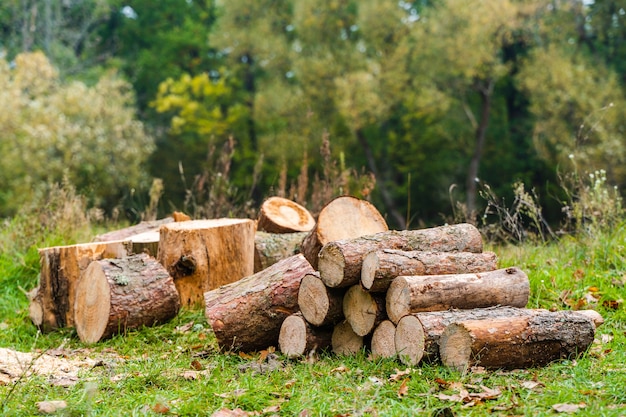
{"x":175,"y":369}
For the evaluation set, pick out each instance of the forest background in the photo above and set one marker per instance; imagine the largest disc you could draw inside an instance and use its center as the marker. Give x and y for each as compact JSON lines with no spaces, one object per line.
{"x":205,"y":106}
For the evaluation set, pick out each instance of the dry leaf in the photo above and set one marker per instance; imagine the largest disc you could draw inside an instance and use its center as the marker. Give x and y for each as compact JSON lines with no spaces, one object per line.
{"x":50,"y":407}
{"x":236,"y":393}
{"x":568,"y":408}
{"x":399,"y":374}
{"x":263,"y":355}
{"x":160,"y":408}
{"x":486,"y":393}
{"x":340,"y":369}
{"x":195,"y":364}
{"x":185,"y":328}
{"x":531,"y":385}
{"x":404,"y":388}
{"x":290,"y":383}
{"x":225,"y":412}
{"x":271,"y":409}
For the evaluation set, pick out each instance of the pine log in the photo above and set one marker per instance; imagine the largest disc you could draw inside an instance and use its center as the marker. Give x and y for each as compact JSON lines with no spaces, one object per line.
{"x":298,"y":337}
{"x":344,"y":341}
{"x":363,"y":310}
{"x":381,"y":267}
{"x":202,"y":255}
{"x":280,"y":215}
{"x":116,"y":295}
{"x":247,"y":315}
{"x":270,"y":248}
{"x":516,"y":342}
{"x":412,"y":294}
{"x":340,"y":262}
{"x":320,"y":305}
{"x":344,"y":217}
{"x":52,"y":303}
{"x":143,"y":227}
{"x":147,"y":242}
{"x":383,"y":340}
{"x":425,"y":337}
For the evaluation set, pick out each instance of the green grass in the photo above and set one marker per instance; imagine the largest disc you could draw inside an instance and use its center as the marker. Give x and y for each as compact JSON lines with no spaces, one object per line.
{"x":145,"y":372}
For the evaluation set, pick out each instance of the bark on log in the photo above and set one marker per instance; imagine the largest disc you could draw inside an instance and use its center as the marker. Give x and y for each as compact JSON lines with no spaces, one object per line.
{"x":247,"y":315}
{"x":363,"y":310}
{"x":340,"y":262}
{"x":270,"y":248}
{"x":320,"y":305}
{"x":514,"y":343}
{"x":344,"y":341}
{"x":412,"y":294}
{"x":381,"y":267}
{"x":52,"y":303}
{"x":383,"y":340}
{"x":115,"y":295}
{"x":202,"y":255}
{"x":143,"y":227}
{"x":280,"y":215}
{"x":298,"y":337}
{"x":344,"y":217}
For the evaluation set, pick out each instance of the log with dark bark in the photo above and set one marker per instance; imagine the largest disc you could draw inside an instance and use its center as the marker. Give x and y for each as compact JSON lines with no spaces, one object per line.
{"x":116,"y":295}
{"x":270,"y":248}
{"x":344,"y":341}
{"x":383,"y":340}
{"x":320,"y":305}
{"x":412,"y":294}
{"x":281,"y":215}
{"x":52,"y":302}
{"x":344,"y":217}
{"x":298,"y":337}
{"x":363,"y":310}
{"x":340,"y":262}
{"x":381,"y":267}
{"x":516,"y":343}
{"x":201,"y":255}
{"x":247,"y":315}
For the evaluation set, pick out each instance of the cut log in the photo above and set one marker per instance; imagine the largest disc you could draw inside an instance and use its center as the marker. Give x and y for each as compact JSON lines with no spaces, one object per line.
{"x":202,"y":255}
{"x":247,"y":315}
{"x":320,"y":305}
{"x":143,"y":227}
{"x":381,"y":267}
{"x":147,"y":242}
{"x":52,"y":303}
{"x":344,"y":217}
{"x":280,"y":215}
{"x":363,"y":310}
{"x":340,"y":262}
{"x":383,"y":344}
{"x":116,"y":295}
{"x":414,"y":339}
{"x":516,"y":343}
{"x":270,"y":248}
{"x":344,"y":341}
{"x":298,"y":338}
{"x":412,"y":294}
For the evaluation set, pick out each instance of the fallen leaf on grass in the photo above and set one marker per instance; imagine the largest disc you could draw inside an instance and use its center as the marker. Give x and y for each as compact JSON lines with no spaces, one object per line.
{"x":225,"y":412}
{"x":50,"y":407}
{"x":399,"y":375}
{"x":532,"y":385}
{"x":185,"y":328}
{"x":235,"y":393}
{"x":160,"y":408}
{"x":195,"y":364}
{"x":470,"y":398}
{"x":568,"y":408}
{"x":404,"y":388}
{"x":339,"y":370}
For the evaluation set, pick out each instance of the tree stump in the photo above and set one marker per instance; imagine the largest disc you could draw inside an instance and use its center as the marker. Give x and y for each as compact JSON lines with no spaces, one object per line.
{"x":247,"y":315}
{"x":516,"y":342}
{"x":280,"y":215}
{"x":344,"y":217}
{"x":137,"y":229}
{"x":270,"y":248}
{"x":344,"y":341}
{"x":52,"y":303}
{"x":381,"y":267}
{"x":297,"y":337}
{"x":115,"y":295}
{"x":202,"y":255}
{"x":383,"y":340}
{"x":340,"y":262}
{"x":363,"y":310}
{"x":412,"y":294}
{"x":320,"y":305}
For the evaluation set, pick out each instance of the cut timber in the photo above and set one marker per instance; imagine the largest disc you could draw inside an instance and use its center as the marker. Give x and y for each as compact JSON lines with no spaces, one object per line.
{"x":381,"y":267}
{"x":147,"y":242}
{"x":434,"y":323}
{"x":412,"y":294}
{"x":270,"y":248}
{"x":280,"y":215}
{"x":52,"y":303}
{"x":363,"y":310}
{"x":320,"y":305}
{"x":383,"y":345}
{"x":344,"y":341}
{"x":247,"y":314}
{"x":143,"y":227}
{"x":340,"y":262}
{"x":512,"y":343}
{"x":409,"y":340}
{"x":344,"y":217}
{"x":297,"y":337}
{"x":115,"y":295}
{"x":202,"y":255}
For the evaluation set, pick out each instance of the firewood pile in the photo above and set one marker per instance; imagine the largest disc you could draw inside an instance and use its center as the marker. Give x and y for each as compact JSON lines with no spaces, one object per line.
{"x":342,"y":282}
